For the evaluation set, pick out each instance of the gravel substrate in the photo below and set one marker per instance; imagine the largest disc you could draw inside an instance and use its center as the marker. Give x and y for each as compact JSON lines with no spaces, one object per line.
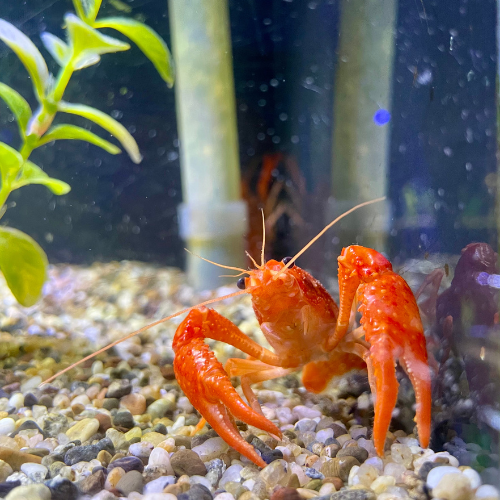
{"x":120,"y":426}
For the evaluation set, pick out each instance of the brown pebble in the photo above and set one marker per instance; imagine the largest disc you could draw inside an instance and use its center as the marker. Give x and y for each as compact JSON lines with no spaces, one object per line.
{"x":17,"y":458}
{"x":135,"y":403}
{"x":104,"y":422}
{"x":104,"y":457}
{"x":360,"y":454}
{"x":285,"y":494}
{"x":339,"y":467}
{"x":187,"y":462}
{"x":336,"y":481}
{"x":92,"y":484}
{"x":168,"y":372}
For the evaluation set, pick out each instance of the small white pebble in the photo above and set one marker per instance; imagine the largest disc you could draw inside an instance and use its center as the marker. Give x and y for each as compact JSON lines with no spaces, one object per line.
{"x":474,"y":478}
{"x":200,"y":480}
{"x":97,"y":367}
{"x":377,"y":462}
{"x":353,"y":479}
{"x":487,"y":492}
{"x":401,"y":454}
{"x":395,"y":470}
{"x":302,"y":411}
{"x":223,"y":496}
{"x":232,"y":474}
{"x":367,"y":474}
{"x":324,"y":434}
{"x":436,"y":474}
{"x":7,"y":425}
{"x":453,"y":487}
{"x":326,"y":489}
{"x":382,"y":483}
{"x":16,"y":400}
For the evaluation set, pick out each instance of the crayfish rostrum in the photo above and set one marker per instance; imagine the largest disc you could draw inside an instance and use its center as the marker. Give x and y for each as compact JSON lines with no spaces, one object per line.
{"x":307,"y":331}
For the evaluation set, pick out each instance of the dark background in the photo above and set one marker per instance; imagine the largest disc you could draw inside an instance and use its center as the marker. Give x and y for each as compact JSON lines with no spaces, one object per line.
{"x":443,"y":127}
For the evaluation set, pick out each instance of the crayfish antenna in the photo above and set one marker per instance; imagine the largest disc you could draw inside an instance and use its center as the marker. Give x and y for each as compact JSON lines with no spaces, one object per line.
{"x":141,"y":330}
{"x":262,"y":258}
{"x":324,"y":230}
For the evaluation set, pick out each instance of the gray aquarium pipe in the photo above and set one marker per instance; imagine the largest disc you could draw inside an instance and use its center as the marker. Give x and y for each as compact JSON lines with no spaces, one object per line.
{"x":212,"y":217}
{"x":360,"y":144}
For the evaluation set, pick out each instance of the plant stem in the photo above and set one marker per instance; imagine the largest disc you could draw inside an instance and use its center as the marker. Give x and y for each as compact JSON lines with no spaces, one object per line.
{"x":42,"y":121}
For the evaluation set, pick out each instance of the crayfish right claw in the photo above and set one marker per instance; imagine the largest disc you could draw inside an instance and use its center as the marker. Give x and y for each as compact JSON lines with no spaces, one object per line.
{"x":207,"y":386}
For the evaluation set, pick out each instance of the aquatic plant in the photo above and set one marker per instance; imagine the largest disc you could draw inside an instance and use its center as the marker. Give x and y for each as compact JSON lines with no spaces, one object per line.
{"x":22,"y":261}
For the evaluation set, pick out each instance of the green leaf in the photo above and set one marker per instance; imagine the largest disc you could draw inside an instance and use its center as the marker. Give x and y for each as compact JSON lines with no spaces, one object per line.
{"x":23,"y":264}
{"x":87,"y":9}
{"x":28,"y":54}
{"x":58,"y":49}
{"x":87,"y":43}
{"x":153,"y":46}
{"x":33,"y":174}
{"x":73,"y":132}
{"x":18,"y":105}
{"x":106,"y":122}
{"x":10,"y":163}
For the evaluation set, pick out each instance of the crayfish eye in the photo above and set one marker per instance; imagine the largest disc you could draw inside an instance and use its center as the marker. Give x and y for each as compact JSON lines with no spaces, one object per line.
{"x":286,"y":260}
{"x":241,"y":283}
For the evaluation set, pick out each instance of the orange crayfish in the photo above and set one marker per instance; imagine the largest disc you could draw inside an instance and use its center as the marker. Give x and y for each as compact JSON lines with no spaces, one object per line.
{"x":307,"y":331}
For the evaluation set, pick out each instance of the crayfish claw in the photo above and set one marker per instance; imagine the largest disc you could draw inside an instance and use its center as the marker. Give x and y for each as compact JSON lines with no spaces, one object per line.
{"x":384,"y":372}
{"x":208,"y":387}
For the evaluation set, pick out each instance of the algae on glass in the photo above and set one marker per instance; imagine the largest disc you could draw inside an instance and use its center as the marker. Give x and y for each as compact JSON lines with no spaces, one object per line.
{"x":22,"y":261}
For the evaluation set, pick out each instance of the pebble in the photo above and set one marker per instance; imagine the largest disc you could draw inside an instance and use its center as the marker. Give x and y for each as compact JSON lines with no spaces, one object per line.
{"x":301,"y":411}
{"x":201,"y":492}
{"x":92,"y":484}
{"x":487,"y":492}
{"x":358,"y":494}
{"x":435,"y":475}
{"x":135,"y":403}
{"x":124,"y":419}
{"x":131,"y":481}
{"x":160,"y":457}
{"x":7,"y":425}
{"x":5,"y":471}
{"x":360,"y":454}
{"x":62,"y":489}
{"x":141,"y":450}
{"x":453,"y":487}
{"x":36,"y":472}
{"x":232,"y":474}
{"x":17,"y":458}
{"x":119,"y":388}
{"x":113,"y":477}
{"x":83,"y":430}
{"x":188,"y":462}
{"x":127,"y":464}
{"x":160,"y":408}
{"x":159,"y":484}
{"x":211,"y":448}
{"x":31,"y":492}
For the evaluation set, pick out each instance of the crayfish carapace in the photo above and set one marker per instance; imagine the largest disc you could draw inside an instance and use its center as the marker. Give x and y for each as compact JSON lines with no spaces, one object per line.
{"x":307,"y":331}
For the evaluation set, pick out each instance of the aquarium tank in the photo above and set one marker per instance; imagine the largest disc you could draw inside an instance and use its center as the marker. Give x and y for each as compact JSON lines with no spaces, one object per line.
{"x":249,"y":250}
